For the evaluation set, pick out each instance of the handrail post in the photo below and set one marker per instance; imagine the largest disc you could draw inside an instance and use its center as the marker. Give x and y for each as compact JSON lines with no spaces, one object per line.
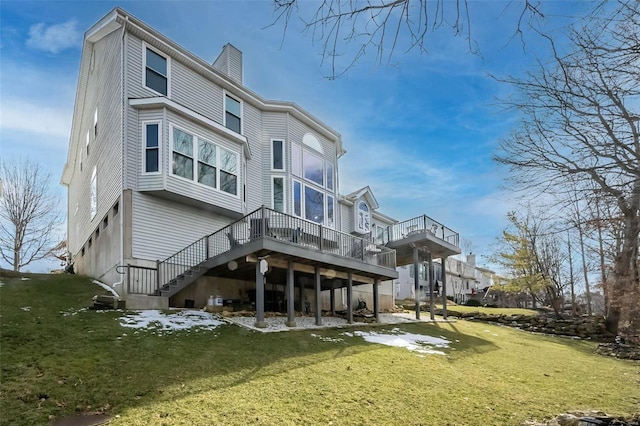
{"x":128,"y":278}
{"x":206,"y":248}
{"x":320,"y":244}
{"x":157,"y":276}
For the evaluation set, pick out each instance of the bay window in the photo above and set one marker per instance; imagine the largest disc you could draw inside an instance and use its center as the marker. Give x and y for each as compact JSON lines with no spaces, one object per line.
{"x":182,"y":154}
{"x":206,"y":163}
{"x":151,"y":157}
{"x":228,"y":172}
{"x":216,"y":167}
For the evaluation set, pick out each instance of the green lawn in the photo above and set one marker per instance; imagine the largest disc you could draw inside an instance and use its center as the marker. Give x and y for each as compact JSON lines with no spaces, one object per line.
{"x":489,"y":311}
{"x":57,"y":361}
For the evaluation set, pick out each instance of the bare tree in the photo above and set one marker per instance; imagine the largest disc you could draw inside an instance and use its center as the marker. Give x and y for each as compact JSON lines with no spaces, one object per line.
{"x":29,"y":217}
{"x":383,"y":26}
{"x":581,"y":116}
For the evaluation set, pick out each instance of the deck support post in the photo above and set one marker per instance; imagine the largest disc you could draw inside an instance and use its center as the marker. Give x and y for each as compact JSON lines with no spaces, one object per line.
{"x":259,"y":298}
{"x":444,"y":288}
{"x":301,"y":295}
{"x":416,"y":281}
{"x":431,"y":279}
{"x":376,"y":299}
{"x":350,"y":297}
{"x":333,"y":301}
{"x":318,"y":302}
{"x":291,"y":316}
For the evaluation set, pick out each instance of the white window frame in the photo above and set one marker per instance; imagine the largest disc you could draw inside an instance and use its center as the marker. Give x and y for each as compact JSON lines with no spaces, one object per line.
{"x":93,"y":193}
{"x":362,"y":230}
{"x":296,"y":154}
{"x":194,"y":176}
{"x":144,"y":147}
{"x":284,"y":157}
{"x":327,"y":173}
{"x":284,"y":193}
{"x":293,"y":200}
{"x":87,"y":139}
{"x":146,"y":46}
{"x":224,"y":110}
{"x":95,"y":123}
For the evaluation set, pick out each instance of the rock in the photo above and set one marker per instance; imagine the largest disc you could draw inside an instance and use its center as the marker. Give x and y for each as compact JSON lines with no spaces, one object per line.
{"x":568,"y":420}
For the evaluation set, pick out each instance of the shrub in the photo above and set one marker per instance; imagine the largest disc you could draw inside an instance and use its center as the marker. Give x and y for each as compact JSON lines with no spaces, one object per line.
{"x":450,"y":298}
{"x":472,"y":302}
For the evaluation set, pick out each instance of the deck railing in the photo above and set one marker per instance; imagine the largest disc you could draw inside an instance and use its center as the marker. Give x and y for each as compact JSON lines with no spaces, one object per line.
{"x":141,"y":279}
{"x":267,"y":223}
{"x":423,"y":223}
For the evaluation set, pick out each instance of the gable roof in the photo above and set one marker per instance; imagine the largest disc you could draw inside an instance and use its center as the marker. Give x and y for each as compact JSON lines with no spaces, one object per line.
{"x":366,"y":194}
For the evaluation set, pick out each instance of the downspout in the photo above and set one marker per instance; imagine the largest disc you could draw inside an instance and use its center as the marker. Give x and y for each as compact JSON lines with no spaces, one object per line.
{"x":120,"y":284}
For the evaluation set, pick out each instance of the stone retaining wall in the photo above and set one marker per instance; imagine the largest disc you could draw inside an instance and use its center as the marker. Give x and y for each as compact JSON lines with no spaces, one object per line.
{"x":584,"y":327}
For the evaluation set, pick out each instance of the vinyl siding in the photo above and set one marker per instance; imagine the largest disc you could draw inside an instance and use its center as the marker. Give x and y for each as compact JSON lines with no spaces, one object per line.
{"x":103,"y":90}
{"x":274,"y":126}
{"x":162,"y":227}
{"x":253,"y":130}
{"x":346,"y":218}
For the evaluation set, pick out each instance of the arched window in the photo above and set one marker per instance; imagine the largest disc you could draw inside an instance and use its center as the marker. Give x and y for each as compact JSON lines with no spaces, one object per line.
{"x":363,"y":218}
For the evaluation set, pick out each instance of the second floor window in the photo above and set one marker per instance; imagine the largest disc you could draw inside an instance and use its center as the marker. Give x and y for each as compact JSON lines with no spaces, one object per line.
{"x":277,"y":155}
{"x":232,"y":116}
{"x":197,"y":159}
{"x":151,"y":148}
{"x":156,"y":75}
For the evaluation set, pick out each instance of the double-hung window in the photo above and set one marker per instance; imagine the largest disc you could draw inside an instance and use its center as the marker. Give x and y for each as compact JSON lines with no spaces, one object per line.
{"x":182,"y":154}
{"x":156,"y":72}
{"x":228,"y":172}
{"x":278,"y":194}
{"x":151,"y":156}
{"x":232,"y":115}
{"x":277,"y":155}
{"x":206,"y":163}
{"x":197,"y":159}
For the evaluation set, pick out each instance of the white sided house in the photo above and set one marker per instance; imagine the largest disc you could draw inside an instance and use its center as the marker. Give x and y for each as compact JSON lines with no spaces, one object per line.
{"x":183,"y":183}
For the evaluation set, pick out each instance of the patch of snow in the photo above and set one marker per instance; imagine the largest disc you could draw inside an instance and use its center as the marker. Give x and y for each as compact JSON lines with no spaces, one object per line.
{"x":25,"y":279}
{"x":106,"y":287}
{"x":397,"y":338}
{"x":72,"y":312}
{"x":26,"y":308}
{"x":327,"y":339}
{"x":159,"y":322}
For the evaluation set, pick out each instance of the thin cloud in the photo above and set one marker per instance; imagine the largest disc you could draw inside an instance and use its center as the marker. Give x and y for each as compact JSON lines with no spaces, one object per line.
{"x":16,"y":114}
{"x":54,"y":38}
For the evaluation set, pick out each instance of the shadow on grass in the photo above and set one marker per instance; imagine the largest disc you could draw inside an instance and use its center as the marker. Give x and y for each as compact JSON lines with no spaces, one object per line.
{"x":59,"y":359}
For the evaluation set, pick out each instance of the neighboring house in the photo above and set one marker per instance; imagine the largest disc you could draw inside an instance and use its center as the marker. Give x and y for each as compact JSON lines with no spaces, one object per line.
{"x":464,"y":280}
{"x":183,"y":183}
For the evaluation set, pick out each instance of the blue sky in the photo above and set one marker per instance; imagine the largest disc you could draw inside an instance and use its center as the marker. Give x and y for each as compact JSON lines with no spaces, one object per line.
{"x":420,"y":131}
